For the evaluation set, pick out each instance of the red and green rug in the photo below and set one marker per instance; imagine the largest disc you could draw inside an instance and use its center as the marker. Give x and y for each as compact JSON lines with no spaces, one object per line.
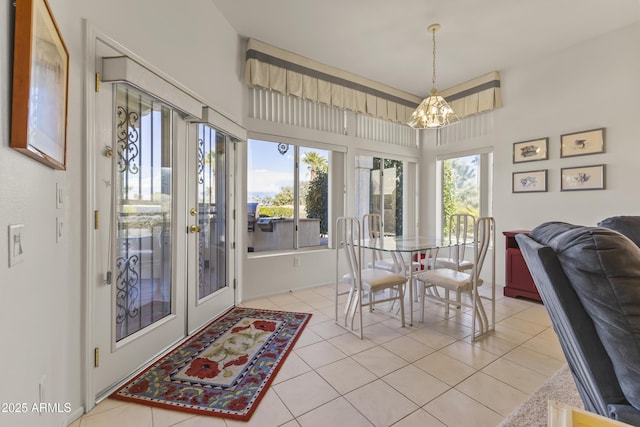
{"x":223,"y":370}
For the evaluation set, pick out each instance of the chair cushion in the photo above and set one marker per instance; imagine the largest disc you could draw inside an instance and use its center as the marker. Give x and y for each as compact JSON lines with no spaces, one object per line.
{"x":377,"y":279}
{"x":452,"y":263}
{"x":447,"y":278}
{"x":381,"y":279}
{"x":627,"y":225}
{"x":603,"y":267}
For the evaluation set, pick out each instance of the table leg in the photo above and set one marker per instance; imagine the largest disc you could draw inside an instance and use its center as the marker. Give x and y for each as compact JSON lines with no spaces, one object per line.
{"x":412,"y":273}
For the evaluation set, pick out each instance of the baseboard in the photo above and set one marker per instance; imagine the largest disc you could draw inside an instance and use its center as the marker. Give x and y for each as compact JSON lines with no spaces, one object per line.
{"x":73,"y":416}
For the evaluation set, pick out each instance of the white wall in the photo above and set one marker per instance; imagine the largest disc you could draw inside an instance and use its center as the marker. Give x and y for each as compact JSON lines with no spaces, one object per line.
{"x":42,"y":299}
{"x":592,"y":85}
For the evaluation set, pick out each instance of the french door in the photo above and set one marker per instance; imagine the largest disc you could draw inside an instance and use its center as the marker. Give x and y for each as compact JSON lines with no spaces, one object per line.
{"x":139,"y":308}
{"x":162,"y":245}
{"x":211,"y":261}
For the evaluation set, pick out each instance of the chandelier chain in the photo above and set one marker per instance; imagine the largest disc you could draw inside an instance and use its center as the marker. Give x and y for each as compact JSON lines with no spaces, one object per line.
{"x":433,"y":75}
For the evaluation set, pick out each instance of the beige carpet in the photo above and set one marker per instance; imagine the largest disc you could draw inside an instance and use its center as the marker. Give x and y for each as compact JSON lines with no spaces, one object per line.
{"x":533,"y":412}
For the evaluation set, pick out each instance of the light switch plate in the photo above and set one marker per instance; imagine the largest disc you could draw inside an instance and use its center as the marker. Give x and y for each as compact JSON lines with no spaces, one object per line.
{"x":59,"y":196}
{"x":16,"y":240}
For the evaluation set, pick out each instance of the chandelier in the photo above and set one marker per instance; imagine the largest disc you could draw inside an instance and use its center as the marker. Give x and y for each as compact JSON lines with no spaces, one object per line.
{"x":433,"y":112}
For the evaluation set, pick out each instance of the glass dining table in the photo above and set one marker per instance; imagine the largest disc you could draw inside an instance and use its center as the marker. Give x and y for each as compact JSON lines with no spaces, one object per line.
{"x":405,"y":252}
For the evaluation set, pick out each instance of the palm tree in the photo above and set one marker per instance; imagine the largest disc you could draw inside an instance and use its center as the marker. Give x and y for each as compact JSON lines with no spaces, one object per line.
{"x":316,"y":162}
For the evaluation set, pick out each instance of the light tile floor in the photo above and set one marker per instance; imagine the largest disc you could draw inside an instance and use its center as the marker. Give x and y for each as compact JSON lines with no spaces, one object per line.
{"x":428,"y":374}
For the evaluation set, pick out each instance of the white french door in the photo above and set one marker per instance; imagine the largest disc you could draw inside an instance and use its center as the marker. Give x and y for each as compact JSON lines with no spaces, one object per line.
{"x":139,"y":296}
{"x":164,"y":244}
{"x":211,"y":264}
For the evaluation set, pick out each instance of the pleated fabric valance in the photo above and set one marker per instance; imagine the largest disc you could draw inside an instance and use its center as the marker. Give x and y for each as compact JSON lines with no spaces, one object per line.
{"x":475,"y":96}
{"x":279,"y":70}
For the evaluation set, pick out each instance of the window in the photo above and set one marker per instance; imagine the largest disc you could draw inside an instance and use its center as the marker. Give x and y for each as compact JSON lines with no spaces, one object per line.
{"x":143,"y":211}
{"x":212,"y":198}
{"x":380,"y":188}
{"x":287,"y":196}
{"x":386,"y":194}
{"x":465,"y":186}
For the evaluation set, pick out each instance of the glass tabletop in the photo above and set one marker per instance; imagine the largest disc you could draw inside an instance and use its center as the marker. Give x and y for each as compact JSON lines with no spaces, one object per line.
{"x":406,"y":244}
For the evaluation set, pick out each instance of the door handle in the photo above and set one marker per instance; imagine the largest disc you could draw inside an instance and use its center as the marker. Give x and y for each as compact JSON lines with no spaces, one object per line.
{"x":194,"y":229}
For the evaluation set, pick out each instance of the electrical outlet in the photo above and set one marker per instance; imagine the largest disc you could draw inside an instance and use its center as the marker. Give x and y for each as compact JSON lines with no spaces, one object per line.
{"x":16,"y":247}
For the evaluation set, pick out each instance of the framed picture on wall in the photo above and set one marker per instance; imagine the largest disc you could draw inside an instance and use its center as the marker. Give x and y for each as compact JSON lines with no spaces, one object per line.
{"x":582,"y":178}
{"x":529,"y":151}
{"x":582,"y":143}
{"x":40,"y":85}
{"x":529,"y":181}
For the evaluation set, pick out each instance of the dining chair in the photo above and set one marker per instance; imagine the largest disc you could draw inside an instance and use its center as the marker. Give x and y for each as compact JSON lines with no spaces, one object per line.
{"x":461,"y":231}
{"x":372,"y":222}
{"x":362,"y":281}
{"x":465,"y":283}
{"x":461,"y":234}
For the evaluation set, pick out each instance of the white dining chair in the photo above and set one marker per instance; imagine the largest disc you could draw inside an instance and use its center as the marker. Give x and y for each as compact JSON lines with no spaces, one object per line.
{"x":373,"y":229}
{"x":372,"y":223}
{"x":362,"y":281}
{"x":461,"y":231}
{"x":465,"y":283}
{"x":461,"y":234}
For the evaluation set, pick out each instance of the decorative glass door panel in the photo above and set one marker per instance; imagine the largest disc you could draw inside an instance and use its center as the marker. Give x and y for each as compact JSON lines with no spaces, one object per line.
{"x":211,"y":194}
{"x":210,"y":254}
{"x":143,"y":212}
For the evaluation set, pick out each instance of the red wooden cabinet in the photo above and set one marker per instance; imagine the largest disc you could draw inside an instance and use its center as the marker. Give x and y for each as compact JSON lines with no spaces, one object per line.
{"x":518,"y":280}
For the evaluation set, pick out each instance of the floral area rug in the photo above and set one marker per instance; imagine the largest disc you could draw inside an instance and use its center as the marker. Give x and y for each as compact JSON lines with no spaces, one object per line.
{"x":223,"y":370}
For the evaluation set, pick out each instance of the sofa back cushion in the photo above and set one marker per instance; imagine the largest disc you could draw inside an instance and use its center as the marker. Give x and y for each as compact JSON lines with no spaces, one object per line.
{"x":603,"y":268}
{"x":627,"y":225}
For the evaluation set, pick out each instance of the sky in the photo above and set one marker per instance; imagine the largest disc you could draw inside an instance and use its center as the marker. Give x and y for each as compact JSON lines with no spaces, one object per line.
{"x":268,"y":170}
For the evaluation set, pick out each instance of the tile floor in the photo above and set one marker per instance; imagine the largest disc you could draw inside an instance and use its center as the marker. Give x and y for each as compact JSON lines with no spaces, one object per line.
{"x":426,"y":375}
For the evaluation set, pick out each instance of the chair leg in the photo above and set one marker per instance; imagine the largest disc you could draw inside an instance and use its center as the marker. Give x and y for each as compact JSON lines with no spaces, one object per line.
{"x":423,"y":290}
{"x":480,"y":314}
{"x":401,"y":297}
{"x":348,"y":305}
{"x":355,"y":307}
{"x":446,"y":304}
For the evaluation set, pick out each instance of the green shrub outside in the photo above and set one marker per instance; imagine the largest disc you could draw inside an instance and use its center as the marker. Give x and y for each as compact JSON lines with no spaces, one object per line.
{"x":276,"y":211}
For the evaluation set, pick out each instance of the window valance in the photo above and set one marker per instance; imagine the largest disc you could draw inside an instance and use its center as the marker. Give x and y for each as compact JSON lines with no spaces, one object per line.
{"x":286,"y":72}
{"x":475,"y":96}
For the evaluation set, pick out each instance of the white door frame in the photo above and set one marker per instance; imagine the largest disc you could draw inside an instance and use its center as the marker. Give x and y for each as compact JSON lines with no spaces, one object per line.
{"x":91,"y":37}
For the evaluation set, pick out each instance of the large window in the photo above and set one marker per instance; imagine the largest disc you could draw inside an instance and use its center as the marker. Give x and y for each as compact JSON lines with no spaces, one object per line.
{"x":381,"y":188}
{"x":386,"y":194}
{"x":287,"y":196}
{"x":466,"y":186}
